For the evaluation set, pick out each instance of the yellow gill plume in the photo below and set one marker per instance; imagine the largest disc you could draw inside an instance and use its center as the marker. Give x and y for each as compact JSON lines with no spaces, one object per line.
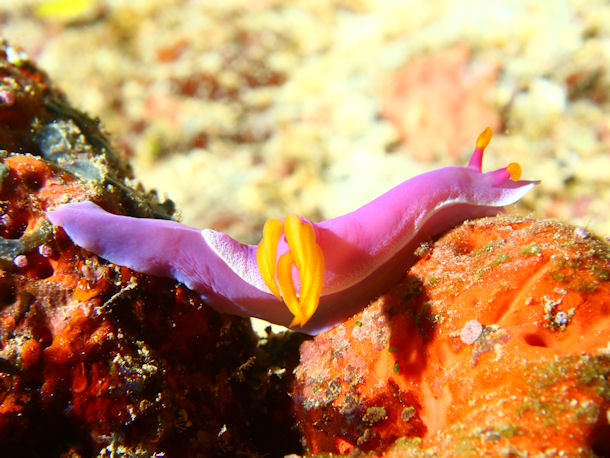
{"x":304,"y":253}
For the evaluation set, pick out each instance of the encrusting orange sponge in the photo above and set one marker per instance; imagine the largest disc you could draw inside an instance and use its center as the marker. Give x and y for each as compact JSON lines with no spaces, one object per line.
{"x":496,"y":342}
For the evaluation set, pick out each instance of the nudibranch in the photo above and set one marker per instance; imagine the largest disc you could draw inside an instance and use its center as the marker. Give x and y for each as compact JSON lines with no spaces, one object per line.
{"x":306,"y":275}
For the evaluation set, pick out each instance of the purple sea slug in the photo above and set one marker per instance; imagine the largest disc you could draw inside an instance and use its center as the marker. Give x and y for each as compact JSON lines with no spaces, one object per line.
{"x":306,"y":275}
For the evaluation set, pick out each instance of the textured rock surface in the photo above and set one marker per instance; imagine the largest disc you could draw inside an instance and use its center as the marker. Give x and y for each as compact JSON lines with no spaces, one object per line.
{"x":496,"y":342}
{"x":94,"y":358}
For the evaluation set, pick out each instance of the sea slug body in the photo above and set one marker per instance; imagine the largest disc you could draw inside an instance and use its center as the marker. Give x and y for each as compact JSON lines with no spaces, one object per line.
{"x":306,"y":275}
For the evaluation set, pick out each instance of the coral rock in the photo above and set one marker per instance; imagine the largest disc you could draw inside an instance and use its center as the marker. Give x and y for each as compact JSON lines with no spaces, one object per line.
{"x":96,"y":359}
{"x":497,"y":341}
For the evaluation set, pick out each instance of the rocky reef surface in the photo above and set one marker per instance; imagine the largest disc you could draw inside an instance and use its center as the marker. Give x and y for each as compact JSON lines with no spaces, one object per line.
{"x":95,"y":359}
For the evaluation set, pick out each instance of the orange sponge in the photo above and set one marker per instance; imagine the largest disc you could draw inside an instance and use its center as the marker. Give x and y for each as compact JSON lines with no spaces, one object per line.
{"x":497,"y":341}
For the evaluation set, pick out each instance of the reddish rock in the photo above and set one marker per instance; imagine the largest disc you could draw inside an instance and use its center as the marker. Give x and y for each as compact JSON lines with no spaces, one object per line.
{"x":94,"y":358}
{"x":497,"y":341}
